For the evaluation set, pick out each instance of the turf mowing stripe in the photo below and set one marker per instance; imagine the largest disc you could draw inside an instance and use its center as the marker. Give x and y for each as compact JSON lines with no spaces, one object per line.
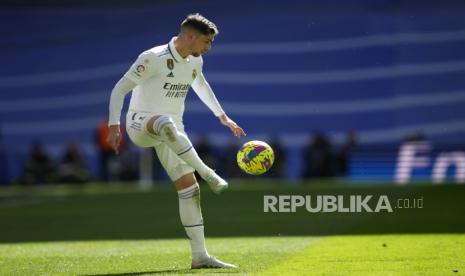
{"x":151,"y":257}
{"x":13,"y":203}
{"x":431,"y":254}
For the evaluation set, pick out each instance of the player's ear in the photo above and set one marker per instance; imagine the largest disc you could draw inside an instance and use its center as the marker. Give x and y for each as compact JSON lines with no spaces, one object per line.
{"x":189,"y":33}
{"x":192,"y":36}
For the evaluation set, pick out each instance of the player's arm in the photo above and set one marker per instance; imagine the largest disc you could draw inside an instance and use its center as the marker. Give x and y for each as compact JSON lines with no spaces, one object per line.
{"x":122,"y":87}
{"x":141,"y":70}
{"x":205,"y":93}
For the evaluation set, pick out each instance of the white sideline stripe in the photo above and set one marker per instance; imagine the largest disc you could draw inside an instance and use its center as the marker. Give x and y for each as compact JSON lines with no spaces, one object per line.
{"x":241,"y":48}
{"x":244,"y":108}
{"x":232,"y":78}
{"x":336,"y":44}
{"x":65,"y":76}
{"x":56,"y":102}
{"x":56,"y":126}
{"x":334,"y":76}
{"x":399,"y":133}
{"x":341,"y":107}
{"x":395,"y":134}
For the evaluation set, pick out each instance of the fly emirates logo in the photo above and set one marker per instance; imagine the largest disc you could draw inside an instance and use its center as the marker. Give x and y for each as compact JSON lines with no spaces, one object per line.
{"x":176,"y":90}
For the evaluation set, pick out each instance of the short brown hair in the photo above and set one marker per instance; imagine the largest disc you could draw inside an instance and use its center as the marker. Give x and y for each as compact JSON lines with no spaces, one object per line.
{"x":200,"y":24}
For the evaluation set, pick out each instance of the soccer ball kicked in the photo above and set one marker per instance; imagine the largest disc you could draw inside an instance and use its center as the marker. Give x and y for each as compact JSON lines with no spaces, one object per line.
{"x":255,"y":157}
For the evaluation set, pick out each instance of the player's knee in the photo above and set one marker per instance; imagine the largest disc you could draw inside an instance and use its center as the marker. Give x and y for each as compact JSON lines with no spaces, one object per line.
{"x":165,"y":127}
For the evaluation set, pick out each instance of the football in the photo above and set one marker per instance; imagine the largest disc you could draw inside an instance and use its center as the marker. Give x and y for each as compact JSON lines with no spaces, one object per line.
{"x":255,"y":157}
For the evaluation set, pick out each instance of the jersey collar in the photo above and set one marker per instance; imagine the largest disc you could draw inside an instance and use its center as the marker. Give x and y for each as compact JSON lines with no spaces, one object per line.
{"x":174,"y":53}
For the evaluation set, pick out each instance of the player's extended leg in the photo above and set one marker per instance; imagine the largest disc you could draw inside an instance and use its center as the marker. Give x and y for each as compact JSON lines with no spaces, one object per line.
{"x":182,"y":146}
{"x":191,"y":218}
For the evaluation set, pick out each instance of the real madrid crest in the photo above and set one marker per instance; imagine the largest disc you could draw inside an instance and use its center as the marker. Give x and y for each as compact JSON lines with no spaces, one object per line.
{"x":194,"y":73}
{"x":170,"y":63}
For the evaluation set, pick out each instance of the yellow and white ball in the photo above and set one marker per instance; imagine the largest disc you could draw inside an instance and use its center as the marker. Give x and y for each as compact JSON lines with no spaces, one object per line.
{"x":255,"y":157}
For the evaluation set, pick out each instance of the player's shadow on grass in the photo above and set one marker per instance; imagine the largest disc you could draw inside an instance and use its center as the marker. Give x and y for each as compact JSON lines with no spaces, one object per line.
{"x":168,"y":271}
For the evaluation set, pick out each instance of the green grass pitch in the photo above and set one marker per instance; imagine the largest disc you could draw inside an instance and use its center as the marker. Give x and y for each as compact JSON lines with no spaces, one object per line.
{"x":118,"y":230}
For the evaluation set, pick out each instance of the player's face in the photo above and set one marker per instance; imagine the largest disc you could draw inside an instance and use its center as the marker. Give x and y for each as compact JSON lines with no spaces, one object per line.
{"x":201,"y":44}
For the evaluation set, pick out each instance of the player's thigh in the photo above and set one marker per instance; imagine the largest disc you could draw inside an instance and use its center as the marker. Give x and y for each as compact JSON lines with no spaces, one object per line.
{"x":174,"y":166}
{"x":137,"y":132}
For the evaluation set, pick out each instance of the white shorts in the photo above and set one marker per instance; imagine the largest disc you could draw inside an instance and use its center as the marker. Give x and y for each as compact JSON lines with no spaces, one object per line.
{"x":136,"y":123}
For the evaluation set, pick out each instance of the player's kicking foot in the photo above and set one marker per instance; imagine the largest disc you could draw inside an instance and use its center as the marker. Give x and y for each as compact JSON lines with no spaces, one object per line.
{"x":216,"y":183}
{"x":211,"y":262}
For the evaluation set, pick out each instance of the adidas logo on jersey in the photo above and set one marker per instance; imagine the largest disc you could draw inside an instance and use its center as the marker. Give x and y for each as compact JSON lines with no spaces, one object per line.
{"x":170,"y":75}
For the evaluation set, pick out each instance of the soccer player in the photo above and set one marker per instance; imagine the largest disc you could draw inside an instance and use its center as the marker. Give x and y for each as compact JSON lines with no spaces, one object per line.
{"x":160,"y":79}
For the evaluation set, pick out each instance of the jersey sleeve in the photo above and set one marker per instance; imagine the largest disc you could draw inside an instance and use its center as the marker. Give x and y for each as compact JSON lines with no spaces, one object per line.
{"x":122,"y":87}
{"x":143,"y":68}
{"x":204,"y":91}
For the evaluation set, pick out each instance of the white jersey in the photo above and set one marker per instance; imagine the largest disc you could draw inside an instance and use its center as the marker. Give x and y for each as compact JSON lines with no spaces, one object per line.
{"x":163,"y":80}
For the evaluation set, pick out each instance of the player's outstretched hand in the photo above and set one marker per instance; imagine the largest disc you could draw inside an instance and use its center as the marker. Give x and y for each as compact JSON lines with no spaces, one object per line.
{"x":236,"y":130}
{"x":114,"y":137}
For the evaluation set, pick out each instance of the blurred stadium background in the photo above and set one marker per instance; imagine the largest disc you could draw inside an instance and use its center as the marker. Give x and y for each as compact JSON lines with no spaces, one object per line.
{"x":381,"y":72}
{"x":347,"y":92}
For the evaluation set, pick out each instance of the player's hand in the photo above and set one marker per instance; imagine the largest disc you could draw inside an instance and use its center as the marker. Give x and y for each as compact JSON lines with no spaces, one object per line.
{"x":235,"y":129}
{"x":114,"y":137}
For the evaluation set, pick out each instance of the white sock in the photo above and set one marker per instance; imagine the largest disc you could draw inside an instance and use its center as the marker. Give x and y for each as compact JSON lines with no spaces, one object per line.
{"x":191,"y":218}
{"x":192,"y":158}
{"x":180,"y":144}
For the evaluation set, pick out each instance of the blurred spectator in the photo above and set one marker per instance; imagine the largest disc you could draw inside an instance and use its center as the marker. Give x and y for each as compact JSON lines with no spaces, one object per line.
{"x":228,"y":161}
{"x":417,"y":136}
{"x":123,"y":166}
{"x":39,"y":167}
{"x":317,"y":157}
{"x":205,"y":152}
{"x":72,"y":168}
{"x":105,"y":150}
{"x":278,"y":168}
{"x":343,"y":157}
